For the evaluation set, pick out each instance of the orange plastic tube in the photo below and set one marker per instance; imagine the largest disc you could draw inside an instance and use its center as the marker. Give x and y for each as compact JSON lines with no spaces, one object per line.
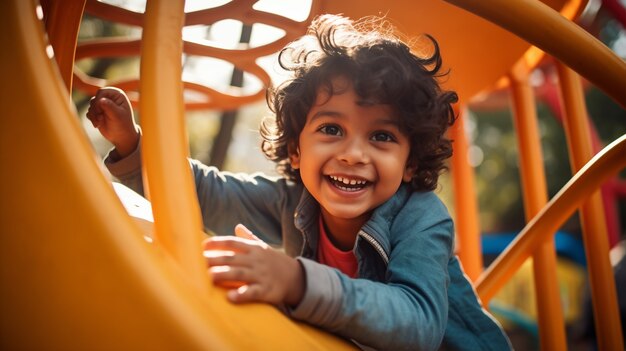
{"x":556,"y":35}
{"x":62,"y":19}
{"x":178,"y":224}
{"x":605,"y":164}
{"x":595,"y":234}
{"x":466,"y":208}
{"x":549,"y":311}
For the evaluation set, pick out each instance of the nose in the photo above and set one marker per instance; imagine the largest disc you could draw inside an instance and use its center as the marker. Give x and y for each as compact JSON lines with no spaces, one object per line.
{"x":354,"y":151}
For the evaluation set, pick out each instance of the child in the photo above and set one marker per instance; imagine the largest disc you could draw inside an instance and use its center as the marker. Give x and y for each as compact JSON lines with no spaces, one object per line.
{"x":359,"y":137}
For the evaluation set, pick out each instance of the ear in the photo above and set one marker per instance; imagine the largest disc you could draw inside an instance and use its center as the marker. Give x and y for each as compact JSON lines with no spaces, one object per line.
{"x":409,"y":172}
{"x":294,"y":156}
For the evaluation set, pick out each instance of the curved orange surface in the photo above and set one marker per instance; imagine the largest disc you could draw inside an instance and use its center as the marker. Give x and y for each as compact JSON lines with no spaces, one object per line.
{"x":477,"y":52}
{"x":77,"y":272}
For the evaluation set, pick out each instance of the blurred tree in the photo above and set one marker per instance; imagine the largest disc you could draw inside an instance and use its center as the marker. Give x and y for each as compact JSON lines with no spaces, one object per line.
{"x":93,"y":27}
{"x":228,"y":119}
{"x":497,"y":173}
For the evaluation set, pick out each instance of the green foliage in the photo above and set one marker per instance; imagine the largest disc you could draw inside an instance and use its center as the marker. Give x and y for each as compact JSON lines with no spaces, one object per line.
{"x":497,"y":176}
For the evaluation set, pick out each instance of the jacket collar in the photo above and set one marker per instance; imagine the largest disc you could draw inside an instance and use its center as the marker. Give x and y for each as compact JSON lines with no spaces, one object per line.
{"x":377,"y":227}
{"x":305,"y":220}
{"x":379,"y":224}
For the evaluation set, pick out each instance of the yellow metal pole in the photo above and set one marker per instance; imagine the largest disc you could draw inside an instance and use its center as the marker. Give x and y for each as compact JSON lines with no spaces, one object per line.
{"x":547,"y":29}
{"x":466,"y":209}
{"x":178,"y":224}
{"x":595,"y":235}
{"x":549,"y":311}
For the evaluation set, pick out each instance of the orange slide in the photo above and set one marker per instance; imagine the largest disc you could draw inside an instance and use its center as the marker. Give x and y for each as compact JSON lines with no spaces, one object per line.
{"x":77,"y":271}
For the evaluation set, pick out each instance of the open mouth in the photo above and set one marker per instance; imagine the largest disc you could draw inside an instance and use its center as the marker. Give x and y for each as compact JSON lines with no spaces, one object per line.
{"x":348,"y":184}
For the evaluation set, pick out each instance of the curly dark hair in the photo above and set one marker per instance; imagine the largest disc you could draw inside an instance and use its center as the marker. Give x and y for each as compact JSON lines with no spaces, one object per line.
{"x":382,"y":70}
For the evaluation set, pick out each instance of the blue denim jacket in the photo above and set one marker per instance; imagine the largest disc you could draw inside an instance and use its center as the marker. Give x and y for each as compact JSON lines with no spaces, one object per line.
{"x":411,"y":293}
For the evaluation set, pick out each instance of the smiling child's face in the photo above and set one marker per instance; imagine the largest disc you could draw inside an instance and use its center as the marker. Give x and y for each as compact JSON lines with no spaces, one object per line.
{"x":352,"y":157}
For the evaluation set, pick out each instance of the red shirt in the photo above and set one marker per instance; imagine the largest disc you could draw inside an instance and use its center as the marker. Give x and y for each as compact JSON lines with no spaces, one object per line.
{"x":331,"y":256}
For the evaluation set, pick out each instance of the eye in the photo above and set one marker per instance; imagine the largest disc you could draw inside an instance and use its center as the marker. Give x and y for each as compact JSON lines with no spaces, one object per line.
{"x":383,"y":136}
{"x":330,"y":129}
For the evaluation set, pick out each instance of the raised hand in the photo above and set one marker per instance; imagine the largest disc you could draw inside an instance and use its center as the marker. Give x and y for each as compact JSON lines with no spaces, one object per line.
{"x":252,"y":270}
{"x":111,"y":113}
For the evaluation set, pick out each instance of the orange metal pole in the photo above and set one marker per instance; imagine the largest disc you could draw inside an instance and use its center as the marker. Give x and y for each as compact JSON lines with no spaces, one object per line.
{"x":178,"y":224}
{"x":62,"y":19}
{"x":549,"y":311}
{"x":466,"y":209}
{"x":595,"y":235}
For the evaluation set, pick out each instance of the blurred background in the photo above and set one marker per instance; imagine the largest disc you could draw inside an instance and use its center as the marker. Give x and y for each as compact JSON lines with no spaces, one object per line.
{"x":230,"y":141}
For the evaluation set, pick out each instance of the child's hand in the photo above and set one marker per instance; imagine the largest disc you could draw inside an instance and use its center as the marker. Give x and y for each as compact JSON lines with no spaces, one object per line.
{"x":111,"y":113}
{"x":267,"y":275}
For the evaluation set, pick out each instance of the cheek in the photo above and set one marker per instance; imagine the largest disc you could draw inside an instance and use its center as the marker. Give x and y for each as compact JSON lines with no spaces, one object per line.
{"x":307,"y":165}
{"x":395,"y":169}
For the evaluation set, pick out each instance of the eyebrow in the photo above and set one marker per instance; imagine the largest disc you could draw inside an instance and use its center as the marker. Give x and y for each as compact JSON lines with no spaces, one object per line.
{"x":325,"y":113}
{"x":330,"y":113}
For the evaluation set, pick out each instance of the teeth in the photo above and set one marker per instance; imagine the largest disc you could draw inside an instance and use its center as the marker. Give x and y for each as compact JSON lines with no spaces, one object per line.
{"x":348,"y":181}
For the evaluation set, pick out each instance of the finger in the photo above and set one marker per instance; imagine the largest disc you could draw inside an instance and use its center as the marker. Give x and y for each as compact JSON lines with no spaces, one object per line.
{"x":94,"y":117}
{"x":116,"y":95}
{"x":227,"y":243}
{"x":109,"y":92}
{"x":242,"y":231}
{"x":96,"y":122}
{"x":221,"y":258}
{"x":207,"y":242}
{"x":121,"y":99}
{"x":230,"y":285}
{"x":93,"y":106}
{"x":245,"y":293}
{"x":228,"y":276}
{"x":94,"y":111}
{"x":109,"y":107}
{"x":228,"y":273}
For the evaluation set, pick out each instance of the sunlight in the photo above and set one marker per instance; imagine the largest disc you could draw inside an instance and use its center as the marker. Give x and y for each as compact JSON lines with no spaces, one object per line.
{"x":217,"y":74}
{"x":226,"y":34}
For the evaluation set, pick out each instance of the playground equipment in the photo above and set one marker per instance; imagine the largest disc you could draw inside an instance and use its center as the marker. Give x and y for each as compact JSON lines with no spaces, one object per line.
{"x":77,"y":271}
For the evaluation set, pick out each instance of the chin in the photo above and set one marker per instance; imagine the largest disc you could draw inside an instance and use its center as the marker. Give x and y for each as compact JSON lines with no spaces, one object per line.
{"x":347,"y":214}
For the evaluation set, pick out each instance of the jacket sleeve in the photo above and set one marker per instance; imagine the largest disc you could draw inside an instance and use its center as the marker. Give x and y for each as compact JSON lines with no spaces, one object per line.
{"x":127,"y":170}
{"x":255,"y":200}
{"x":407,"y":311}
{"x":226,"y":199}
